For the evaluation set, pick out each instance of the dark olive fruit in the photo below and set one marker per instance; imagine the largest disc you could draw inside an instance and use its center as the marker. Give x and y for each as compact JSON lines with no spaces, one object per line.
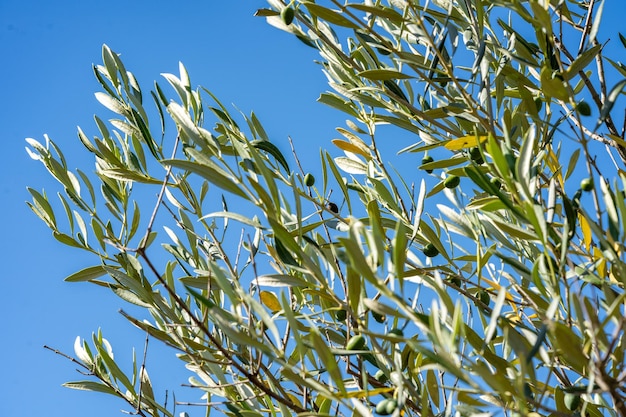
{"x":455,"y":281}
{"x":378,"y":317}
{"x":430,"y":250}
{"x":380,"y":376}
{"x":386,"y":407}
{"x":572,"y":401}
{"x":356,"y":342}
{"x":309,"y":180}
{"x":476,"y":156}
{"x":287,"y":15}
{"x":496,"y":182}
{"x":538,"y":104}
{"x":332,"y":207}
{"x":586,"y":184}
{"x":341,"y":315}
{"x":583,"y":108}
{"x":427,"y":159}
{"x":483,"y":296}
{"x":396,"y":332}
{"x":528,"y":391}
{"x":451,"y":181}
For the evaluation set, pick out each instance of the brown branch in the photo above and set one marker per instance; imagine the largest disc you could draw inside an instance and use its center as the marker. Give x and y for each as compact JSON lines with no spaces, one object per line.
{"x":218,"y":344}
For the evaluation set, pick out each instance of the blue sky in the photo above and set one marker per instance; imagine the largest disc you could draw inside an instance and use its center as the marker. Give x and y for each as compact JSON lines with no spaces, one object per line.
{"x":48,"y":86}
{"x":47,"y":50}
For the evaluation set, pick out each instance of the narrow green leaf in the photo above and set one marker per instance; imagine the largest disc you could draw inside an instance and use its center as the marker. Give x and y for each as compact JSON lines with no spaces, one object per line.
{"x":113,"y":368}
{"x":213,"y":174}
{"x":67,"y":240}
{"x":399,"y":251}
{"x":328,"y":359}
{"x":607,"y":106}
{"x":595,"y":27}
{"x":338,"y":178}
{"x":379,"y":10}
{"x":281,"y":280}
{"x":111,"y":103}
{"x":329,"y":15}
{"x":109,"y":64}
{"x":564,"y":338}
{"x":42,"y":208}
{"x":270,"y":148}
{"x":582,"y":61}
{"x":383,"y":74}
{"x":124,"y":174}
{"x":234,"y":216}
{"x":433,"y":386}
{"x":87,"y":274}
{"x":89,"y":386}
{"x":351,"y":166}
{"x":335,"y":101}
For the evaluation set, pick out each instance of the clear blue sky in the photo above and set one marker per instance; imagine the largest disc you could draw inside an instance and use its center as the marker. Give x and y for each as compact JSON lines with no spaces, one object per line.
{"x":47,"y":49}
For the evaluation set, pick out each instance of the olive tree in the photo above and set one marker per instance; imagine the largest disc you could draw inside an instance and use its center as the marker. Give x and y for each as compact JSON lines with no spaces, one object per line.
{"x":478,"y":271}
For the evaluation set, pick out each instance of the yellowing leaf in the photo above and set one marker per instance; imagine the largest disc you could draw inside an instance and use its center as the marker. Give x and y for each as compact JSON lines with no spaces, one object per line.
{"x":271,"y":301}
{"x":368,"y":393}
{"x":601,"y":265}
{"x":554,"y":165}
{"x":586,"y":229}
{"x":465,"y":142}
{"x":350,"y":147}
{"x":497,"y":288}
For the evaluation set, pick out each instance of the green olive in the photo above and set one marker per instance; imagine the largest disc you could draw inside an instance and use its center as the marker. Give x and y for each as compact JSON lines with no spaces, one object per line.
{"x":455,"y":281}
{"x":341,"y":315}
{"x":386,"y":407}
{"x":476,"y":156}
{"x":426,"y":160}
{"x":451,"y":181}
{"x":378,"y":317}
{"x":309,"y":180}
{"x":583,"y":108}
{"x":356,"y":342}
{"x":484,"y":297}
{"x":430,"y":250}
{"x":572,"y":401}
{"x":586,"y":184}
{"x":287,"y":14}
{"x":396,"y":332}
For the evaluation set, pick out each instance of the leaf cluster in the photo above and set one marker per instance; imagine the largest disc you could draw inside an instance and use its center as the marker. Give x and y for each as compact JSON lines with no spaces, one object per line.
{"x":487,"y":280}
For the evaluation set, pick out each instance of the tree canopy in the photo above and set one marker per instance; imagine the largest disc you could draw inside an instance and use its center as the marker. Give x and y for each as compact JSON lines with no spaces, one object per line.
{"x":484,"y":276}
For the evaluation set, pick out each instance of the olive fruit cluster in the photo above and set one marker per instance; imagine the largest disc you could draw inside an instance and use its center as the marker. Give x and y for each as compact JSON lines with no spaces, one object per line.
{"x":386,"y":407}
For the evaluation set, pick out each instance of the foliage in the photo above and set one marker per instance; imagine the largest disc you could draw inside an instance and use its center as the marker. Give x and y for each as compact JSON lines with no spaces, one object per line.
{"x":488,"y":281}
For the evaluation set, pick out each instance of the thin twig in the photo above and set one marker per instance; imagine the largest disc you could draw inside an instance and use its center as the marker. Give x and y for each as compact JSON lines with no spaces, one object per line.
{"x":143,"y":369}
{"x":168,"y":172}
{"x":587,"y":27}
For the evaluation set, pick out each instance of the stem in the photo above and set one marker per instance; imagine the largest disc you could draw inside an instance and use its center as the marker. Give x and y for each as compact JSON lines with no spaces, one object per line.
{"x":227,"y":354}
